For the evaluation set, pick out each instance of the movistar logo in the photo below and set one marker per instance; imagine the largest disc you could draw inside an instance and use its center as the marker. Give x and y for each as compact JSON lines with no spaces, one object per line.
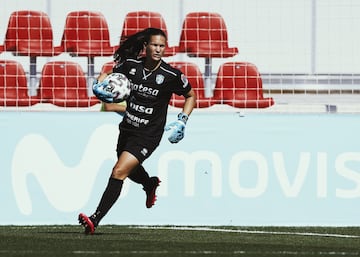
{"x":68,"y":188}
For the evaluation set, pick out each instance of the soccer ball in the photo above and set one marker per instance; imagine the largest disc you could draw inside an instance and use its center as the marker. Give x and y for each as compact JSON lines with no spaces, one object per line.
{"x":119,"y":85}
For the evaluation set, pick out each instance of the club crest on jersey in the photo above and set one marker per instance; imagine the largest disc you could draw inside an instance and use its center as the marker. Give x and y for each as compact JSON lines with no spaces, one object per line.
{"x":132,"y":71}
{"x":159,"y":79}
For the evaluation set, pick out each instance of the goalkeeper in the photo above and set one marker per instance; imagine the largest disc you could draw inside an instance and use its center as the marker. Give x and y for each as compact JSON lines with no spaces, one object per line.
{"x":153,"y":82}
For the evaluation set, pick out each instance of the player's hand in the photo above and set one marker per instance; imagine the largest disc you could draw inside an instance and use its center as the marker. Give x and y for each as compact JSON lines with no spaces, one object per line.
{"x":102,"y":91}
{"x":177,"y":128}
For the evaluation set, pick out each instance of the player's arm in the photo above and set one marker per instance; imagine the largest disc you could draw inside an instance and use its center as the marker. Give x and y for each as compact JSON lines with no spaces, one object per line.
{"x":178,"y":127}
{"x":190,"y":102}
{"x":114,"y":107}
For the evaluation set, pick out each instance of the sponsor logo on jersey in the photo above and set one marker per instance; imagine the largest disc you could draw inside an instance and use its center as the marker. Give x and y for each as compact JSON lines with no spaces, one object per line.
{"x":135,"y":120}
{"x":145,"y":90}
{"x":140,"y":108}
{"x":159,"y":79}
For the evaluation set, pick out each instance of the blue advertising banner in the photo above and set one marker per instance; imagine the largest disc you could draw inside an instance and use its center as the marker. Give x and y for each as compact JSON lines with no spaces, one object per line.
{"x":258,"y":169}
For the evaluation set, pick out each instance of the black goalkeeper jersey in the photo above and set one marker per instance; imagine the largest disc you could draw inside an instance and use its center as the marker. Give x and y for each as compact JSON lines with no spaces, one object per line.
{"x":151,"y":91}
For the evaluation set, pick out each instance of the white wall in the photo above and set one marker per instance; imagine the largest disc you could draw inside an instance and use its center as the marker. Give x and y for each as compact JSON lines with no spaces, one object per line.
{"x":276,"y":35}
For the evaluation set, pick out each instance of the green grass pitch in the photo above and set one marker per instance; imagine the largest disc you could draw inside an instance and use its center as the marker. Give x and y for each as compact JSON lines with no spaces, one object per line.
{"x":168,"y":241}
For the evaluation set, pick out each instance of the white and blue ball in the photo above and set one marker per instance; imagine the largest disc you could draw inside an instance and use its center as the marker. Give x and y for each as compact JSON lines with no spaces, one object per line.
{"x":119,"y":85}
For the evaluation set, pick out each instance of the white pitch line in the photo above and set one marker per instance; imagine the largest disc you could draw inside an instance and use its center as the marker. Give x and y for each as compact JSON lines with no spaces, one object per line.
{"x":250,"y":231}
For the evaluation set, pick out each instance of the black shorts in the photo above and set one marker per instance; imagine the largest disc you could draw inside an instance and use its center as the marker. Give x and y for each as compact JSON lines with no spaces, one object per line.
{"x":138,"y":145}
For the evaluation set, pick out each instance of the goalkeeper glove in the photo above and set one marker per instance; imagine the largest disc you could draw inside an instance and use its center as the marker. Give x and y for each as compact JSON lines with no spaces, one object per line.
{"x":102,"y":91}
{"x":178,"y":128}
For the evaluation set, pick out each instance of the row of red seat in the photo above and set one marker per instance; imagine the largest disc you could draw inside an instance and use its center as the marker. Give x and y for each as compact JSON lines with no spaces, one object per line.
{"x":63,"y":83}
{"x":86,"y":33}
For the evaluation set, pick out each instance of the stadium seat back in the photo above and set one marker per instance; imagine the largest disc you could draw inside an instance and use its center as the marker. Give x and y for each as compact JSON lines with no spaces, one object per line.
{"x":30,"y":33}
{"x":63,"y":83}
{"x":193,"y":74}
{"x":86,"y":33}
{"x":239,"y":84}
{"x":137,"y":21}
{"x":204,"y":34}
{"x":13,"y":85}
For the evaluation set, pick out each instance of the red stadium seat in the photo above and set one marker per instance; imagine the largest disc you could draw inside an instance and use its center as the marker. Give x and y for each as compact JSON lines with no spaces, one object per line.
{"x":196,"y":80}
{"x":86,"y":33}
{"x":13,"y":85}
{"x":204,"y":34}
{"x":63,"y":83}
{"x":137,"y":21}
{"x":29,"y":33}
{"x":239,"y":84}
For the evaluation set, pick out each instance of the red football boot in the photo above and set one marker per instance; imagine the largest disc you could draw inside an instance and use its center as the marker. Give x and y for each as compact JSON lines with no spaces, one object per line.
{"x":87,"y":223}
{"x":151,"y":190}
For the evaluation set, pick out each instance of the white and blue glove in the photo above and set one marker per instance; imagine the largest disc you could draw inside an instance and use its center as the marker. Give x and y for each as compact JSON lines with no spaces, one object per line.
{"x":177,"y":128}
{"x":102,"y":91}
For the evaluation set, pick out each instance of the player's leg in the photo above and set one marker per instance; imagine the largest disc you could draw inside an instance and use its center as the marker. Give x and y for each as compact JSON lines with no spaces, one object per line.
{"x":121,"y":170}
{"x":142,"y":148}
{"x":140,"y":176}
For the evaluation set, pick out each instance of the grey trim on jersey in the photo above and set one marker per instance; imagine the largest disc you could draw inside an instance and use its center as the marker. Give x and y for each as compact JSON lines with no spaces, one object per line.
{"x":134,"y":60}
{"x":139,"y":61}
{"x":168,"y":71}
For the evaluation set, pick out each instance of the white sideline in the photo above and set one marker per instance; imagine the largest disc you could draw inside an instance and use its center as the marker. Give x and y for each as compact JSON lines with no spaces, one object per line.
{"x":242,"y":231}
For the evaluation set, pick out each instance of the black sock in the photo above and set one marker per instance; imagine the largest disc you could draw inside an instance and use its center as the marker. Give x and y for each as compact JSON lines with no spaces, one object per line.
{"x":109,"y":197}
{"x":139,"y":175}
